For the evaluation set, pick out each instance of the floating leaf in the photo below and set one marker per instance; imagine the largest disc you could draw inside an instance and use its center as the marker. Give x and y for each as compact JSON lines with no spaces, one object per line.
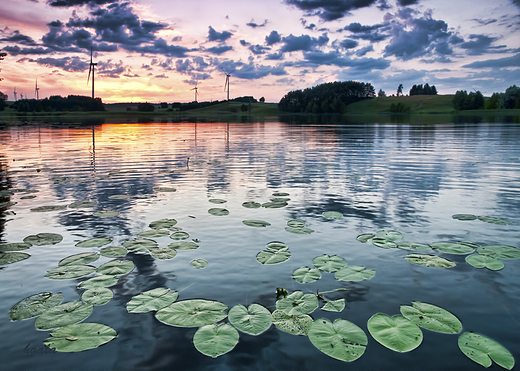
{"x":80,"y":337}
{"x":281,"y":194}
{"x":396,"y":333}
{"x":334,"y":306}
{"x":482,"y":350}
{"x":14,"y":246}
{"x":82,"y":204}
{"x":354,"y":273}
{"x":12,"y":257}
{"x":63,"y":315}
{"x":165,"y":189}
{"x":274,"y":204}
{"x":270,"y":257}
{"x":431,"y":317}
{"x":163,"y":254}
{"x":119,"y":197}
{"x":384,"y":243}
{"x":464,"y":217}
{"x":275,"y":246}
{"x":163,"y":224}
{"x":98,"y":281}
{"x":199,"y":263}
{"x":97,"y":296}
{"x":293,"y":324}
{"x":106,"y":213}
{"x":152,"y":300}
{"x":251,"y":205}
{"x":256,"y":223}
{"x":116,"y":268}
{"x":67,"y":272}
{"x":429,"y":261}
{"x":218,"y":211}
{"x":390,"y":235}
{"x":183,"y":245}
{"x":79,"y":259}
{"x":179,"y":235}
{"x":295,"y":224}
{"x":34,"y":305}
{"x":500,"y":252}
{"x":329,"y":263}
{"x":217,"y":201}
{"x":215,"y":340}
{"x":41,"y":209}
{"x":452,"y":248}
{"x":94,"y":242}
{"x":492,"y":220}
{"x":252,"y":320}
{"x":140,"y":245}
{"x":365,"y":237}
{"x":297,"y":303}
{"x":470,"y":244}
{"x":299,"y":230}
{"x":413,"y":246}
{"x":341,"y":340}
{"x":484,"y":261}
{"x":332,"y":215}
{"x":113,"y":252}
{"x":192,"y":313}
{"x":306,"y":274}
{"x":154,"y":233}
{"x":43,"y":239}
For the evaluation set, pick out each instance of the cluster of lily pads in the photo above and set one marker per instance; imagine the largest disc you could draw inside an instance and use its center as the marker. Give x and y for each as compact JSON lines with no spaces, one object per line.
{"x":487,"y":256}
{"x":487,"y":219}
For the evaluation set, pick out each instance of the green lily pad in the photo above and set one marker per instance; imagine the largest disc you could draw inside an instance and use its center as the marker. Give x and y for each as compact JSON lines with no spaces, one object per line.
{"x":192,"y":313}
{"x":452,"y":248}
{"x":354,"y":273}
{"x":217,"y":201}
{"x":292,"y":324}
{"x":183,"y":245}
{"x":97,"y":296}
{"x":295,"y":224}
{"x":154,"y":233}
{"x":215,"y":340}
{"x":256,"y":223}
{"x":43,"y":239}
{"x":413,"y":246}
{"x":199,"y":263}
{"x":493,"y":220}
{"x":98,"y":281}
{"x":464,"y":216}
{"x":67,"y":272}
{"x":470,"y":244}
{"x":275,"y":246}
{"x":63,"y":315}
{"x":82,"y":204}
{"x":106,"y":213}
{"x":500,"y":252}
{"x":281,"y":194}
{"x":14,"y":246}
{"x":42,"y":209}
{"x":116,"y":268}
{"x":152,"y":300}
{"x":165,"y":189}
{"x":429,"y":261}
{"x":251,"y":205}
{"x":94,"y":242}
{"x":163,"y":254}
{"x":334,"y":306}
{"x":113,"y":252}
{"x":341,"y":340}
{"x":306,"y":274}
{"x":163,"y":224}
{"x":384,"y":243}
{"x":365,"y":237}
{"x":80,"y":337}
{"x":297,"y":303}
{"x":34,"y":305}
{"x":332,"y":215}
{"x":252,"y":320}
{"x":396,"y":333}
{"x":179,"y":235}
{"x":140,"y":245}
{"x":431,"y":317}
{"x":484,"y":261}
{"x":274,"y":204}
{"x":390,"y":235}
{"x":482,"y":350}
{"x":12,"y":257}
{"x":79,"y":259}
{"x":299,"y":230}
{"x":270,"y":257}
{"x":119,"y":197}
{"x":218,"y":211}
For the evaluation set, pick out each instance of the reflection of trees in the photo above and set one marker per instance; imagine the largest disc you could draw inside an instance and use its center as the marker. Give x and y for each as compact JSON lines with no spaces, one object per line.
{"x":5,"y":185}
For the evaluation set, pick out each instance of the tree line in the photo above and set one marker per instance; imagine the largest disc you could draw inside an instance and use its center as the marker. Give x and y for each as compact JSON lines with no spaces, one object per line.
{"x":475,"y":100}
{"x":57,"y":103}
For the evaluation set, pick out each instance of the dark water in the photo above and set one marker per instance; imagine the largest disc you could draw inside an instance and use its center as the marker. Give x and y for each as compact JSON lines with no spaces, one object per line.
{"x":410,"y":178}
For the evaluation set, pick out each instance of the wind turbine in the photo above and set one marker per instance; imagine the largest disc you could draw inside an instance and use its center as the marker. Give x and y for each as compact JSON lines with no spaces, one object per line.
{"x":14,"y":92}
{"x":196,"y":92}
{"x":91,"y":69}
{"x":226,"y":84}
{"x":21,"y":95}
{"x":37,"y":90}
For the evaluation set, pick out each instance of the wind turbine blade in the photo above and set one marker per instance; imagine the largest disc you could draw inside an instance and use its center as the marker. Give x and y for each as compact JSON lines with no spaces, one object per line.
{"x":91,"y":54}
{"x":89,"y":70}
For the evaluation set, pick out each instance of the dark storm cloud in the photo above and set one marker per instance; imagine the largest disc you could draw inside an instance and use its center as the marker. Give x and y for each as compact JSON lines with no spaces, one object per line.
{"x":69,"y":3}
{"x":252,"y":24}
{"x":329,"y":10}
{"x":16,"y":50}
{"x":513,"y":61}
{"x":407,"y":2}
{"x":70,"y":64}
{"x":273,"y":38}
{"x":304,"y":42}
{"x":17,"y":37}
{"x":480,"y":44}
{"x":218,"y":36}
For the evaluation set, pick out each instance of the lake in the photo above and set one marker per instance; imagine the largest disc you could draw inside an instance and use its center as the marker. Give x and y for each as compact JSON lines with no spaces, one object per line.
{"x":409,"y":178}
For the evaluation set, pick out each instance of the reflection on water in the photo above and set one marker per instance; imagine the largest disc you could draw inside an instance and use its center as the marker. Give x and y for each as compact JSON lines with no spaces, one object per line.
{"x":411,"y":178}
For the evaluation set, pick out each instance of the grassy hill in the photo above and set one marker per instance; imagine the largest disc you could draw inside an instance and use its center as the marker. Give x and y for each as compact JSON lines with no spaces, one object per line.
{"x":417,"y":103}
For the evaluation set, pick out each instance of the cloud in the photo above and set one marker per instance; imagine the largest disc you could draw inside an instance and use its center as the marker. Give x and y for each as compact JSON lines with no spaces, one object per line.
{"x":70,"y":64}
{"x":17,"y":37}
{"x":480,"y":44}
{"x":109,"y":69}
{"x":513,"y":61}
{"x":258,"y":49}
{"x":160,"y":46}
{"x":69,"y":3}
{"x":349,"y":44}
{"x":218,"y":36}
{"x":362,"y":51}
{"x":16,"y":50}
{"x":407,"y":2}
{"x":273,"y":38}
{"x":337,"y":59}
{"x":252,"y":24}
{"x":161,"y":76}
{"x":251,"y":71}
{"x":219,"y":49}
{"x":370,"y":33}
{"x":304,"y":42}
{"x":329,"y":10}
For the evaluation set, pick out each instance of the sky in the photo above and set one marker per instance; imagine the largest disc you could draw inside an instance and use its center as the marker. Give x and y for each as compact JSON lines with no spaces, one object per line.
{"x":160,"y":50}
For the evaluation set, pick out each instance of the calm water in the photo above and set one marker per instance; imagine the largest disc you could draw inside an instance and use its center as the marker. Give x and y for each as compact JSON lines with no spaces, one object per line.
{"x":410,"y":178}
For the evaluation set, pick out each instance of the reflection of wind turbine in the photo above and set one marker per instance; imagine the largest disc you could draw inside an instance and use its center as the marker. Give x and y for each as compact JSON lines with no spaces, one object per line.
{"x":37,"y":91}
{"x":14,"y":92}
{"x":196,"y":92}
{"x":91,"y":69}
{"x":21,"y":95}
{"x":226,"y":84}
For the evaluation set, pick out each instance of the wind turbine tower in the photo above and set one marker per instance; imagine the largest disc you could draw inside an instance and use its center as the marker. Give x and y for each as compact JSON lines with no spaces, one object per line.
{"x":196,"y":92}
{"x":37,"y":91}
{"x":14,"y":92}
{"x":226,"y":84}
{"x":91,"y":69}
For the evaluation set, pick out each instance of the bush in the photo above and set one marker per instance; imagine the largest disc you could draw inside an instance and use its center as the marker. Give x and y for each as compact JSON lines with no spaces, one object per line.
{"x":145,"y":107}
{"x":464,"y":101}
{"x":399,"y":108}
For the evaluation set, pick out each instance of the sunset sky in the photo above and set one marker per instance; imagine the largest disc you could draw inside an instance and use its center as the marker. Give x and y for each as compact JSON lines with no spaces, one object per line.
{"x":157,"y":50}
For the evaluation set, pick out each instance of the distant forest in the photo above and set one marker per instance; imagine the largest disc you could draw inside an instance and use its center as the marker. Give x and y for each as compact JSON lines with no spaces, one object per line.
{"x":423,"y":90}
{"x":57,"y":103}
{"x":330,"y":97}
{"x":510,"y":99}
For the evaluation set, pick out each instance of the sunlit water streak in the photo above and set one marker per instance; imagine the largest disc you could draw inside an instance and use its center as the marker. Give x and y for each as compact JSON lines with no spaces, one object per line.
{"x":379,"y":176}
